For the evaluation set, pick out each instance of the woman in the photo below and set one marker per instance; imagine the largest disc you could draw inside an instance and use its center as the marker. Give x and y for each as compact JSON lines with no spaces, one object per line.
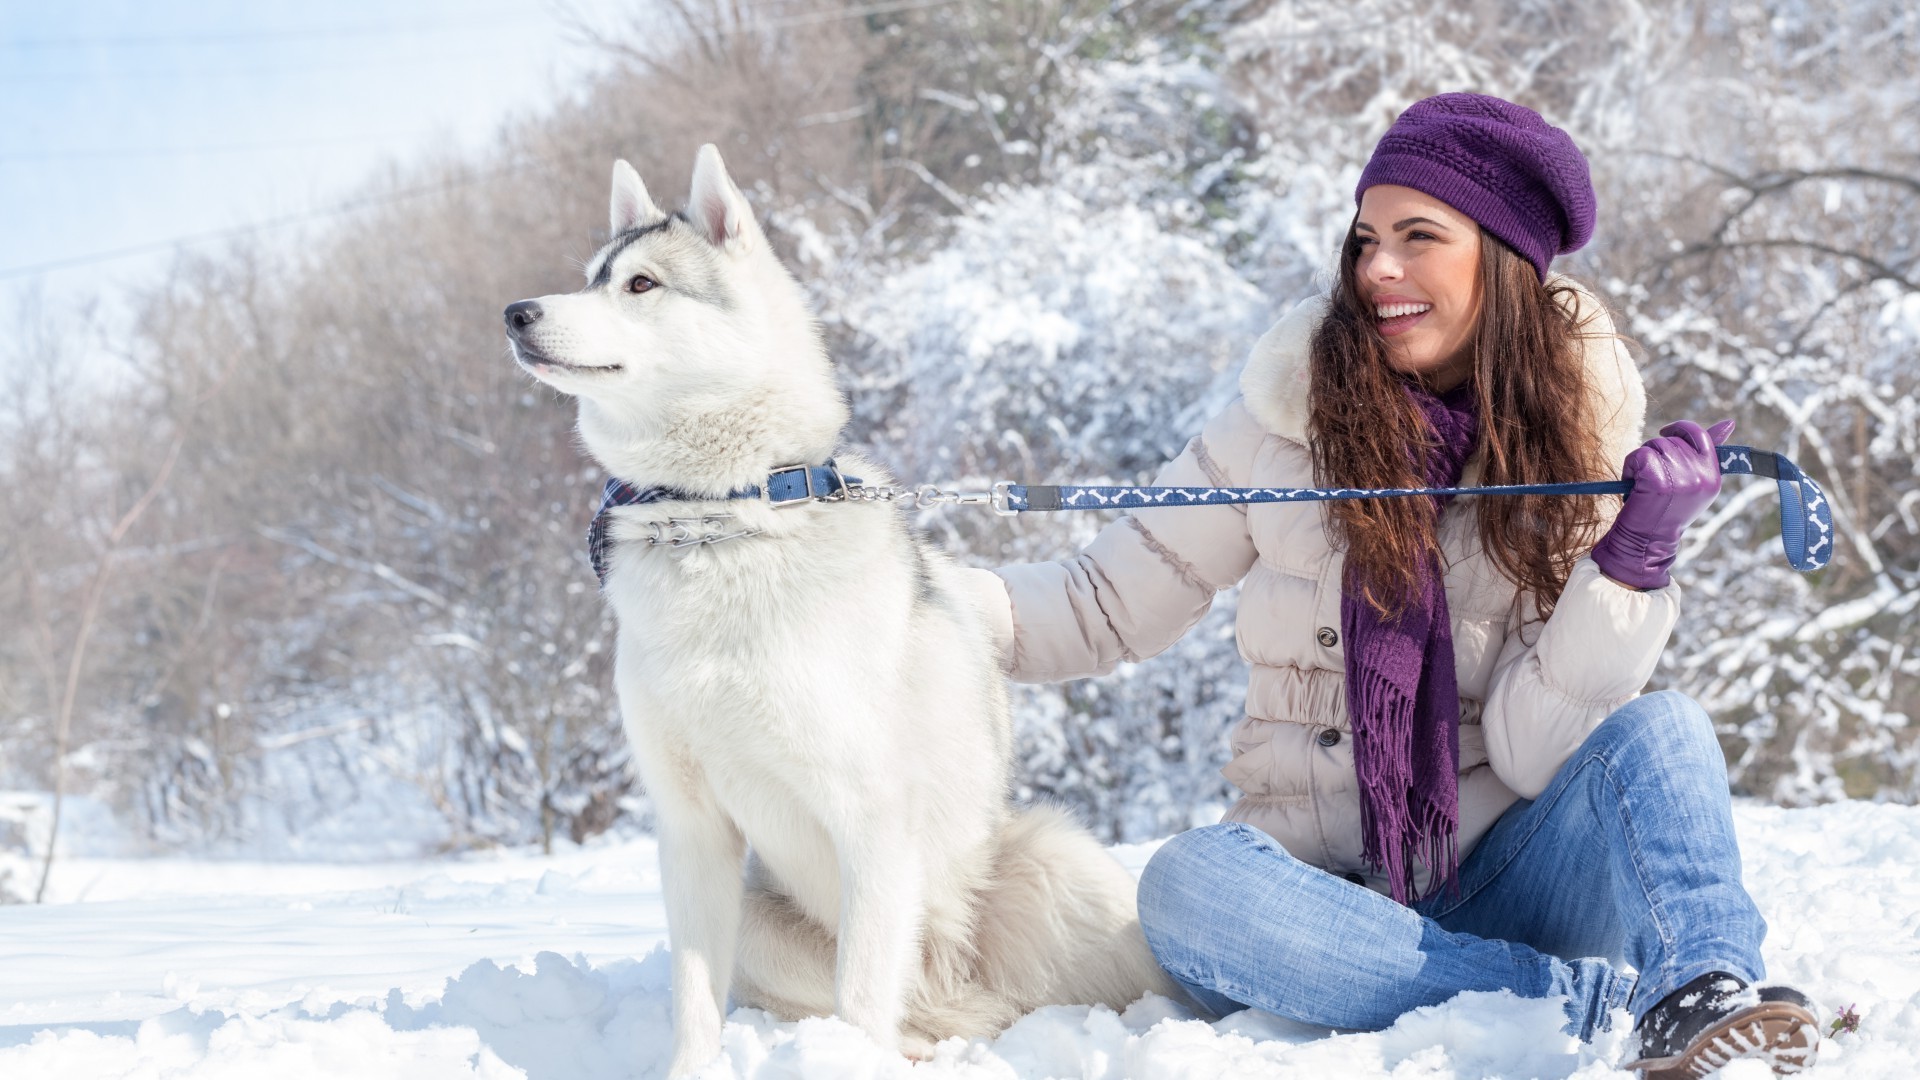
{"x":1450,"y":781}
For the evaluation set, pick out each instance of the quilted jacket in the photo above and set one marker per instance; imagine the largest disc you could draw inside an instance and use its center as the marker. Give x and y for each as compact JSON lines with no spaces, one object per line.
{"x":1530,"y":691}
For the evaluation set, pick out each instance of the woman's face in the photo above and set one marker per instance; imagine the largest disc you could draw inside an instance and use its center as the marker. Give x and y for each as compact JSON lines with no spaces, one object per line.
{"x":1419,"y":269}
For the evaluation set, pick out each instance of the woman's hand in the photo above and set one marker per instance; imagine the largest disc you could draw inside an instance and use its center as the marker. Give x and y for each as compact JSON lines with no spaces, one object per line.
{"x":1675,"y":477}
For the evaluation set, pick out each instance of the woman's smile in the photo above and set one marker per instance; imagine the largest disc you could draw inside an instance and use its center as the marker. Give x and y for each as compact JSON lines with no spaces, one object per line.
{"x":1399,"y":314}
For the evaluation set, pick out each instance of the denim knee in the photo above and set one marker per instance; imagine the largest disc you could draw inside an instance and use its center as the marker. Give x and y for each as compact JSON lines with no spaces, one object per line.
{"x":1174,"y":876}
{"x":1667,"y":724}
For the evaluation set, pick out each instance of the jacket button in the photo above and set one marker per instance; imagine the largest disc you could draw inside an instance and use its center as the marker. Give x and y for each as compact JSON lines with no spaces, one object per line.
{"x":1356,"y":879}
{"x":1328,"y":638}
{"x":1329,"y":736}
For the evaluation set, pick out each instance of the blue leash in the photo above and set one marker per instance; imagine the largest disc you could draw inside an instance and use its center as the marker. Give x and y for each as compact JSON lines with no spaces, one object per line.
{"x":1806,"y":522}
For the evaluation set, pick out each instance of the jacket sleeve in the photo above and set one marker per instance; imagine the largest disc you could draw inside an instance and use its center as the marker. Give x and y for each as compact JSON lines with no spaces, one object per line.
{"x":1142,"y":582}
{"x":1555,"y":681}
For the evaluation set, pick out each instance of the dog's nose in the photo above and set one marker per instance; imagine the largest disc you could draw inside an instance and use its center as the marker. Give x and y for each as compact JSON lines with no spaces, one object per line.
{"x":522,"y":315}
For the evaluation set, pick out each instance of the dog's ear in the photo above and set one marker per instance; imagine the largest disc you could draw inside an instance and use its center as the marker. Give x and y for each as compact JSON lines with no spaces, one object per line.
{"x":718,"y":209}
{"x":631,"y":206}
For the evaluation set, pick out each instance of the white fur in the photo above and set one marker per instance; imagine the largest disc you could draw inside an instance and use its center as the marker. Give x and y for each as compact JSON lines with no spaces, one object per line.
{"x":821,"y":694}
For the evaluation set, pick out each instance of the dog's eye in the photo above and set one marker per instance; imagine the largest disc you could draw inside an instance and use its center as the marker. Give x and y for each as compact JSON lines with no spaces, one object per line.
{"x":641,"y":283}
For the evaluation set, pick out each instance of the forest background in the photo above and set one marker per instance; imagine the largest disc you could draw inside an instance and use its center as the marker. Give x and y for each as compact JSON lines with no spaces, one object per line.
{"x":306,"y":576}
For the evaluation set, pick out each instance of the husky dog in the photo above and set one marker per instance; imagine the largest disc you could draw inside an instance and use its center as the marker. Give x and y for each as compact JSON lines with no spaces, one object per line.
{"x":808,"y":683}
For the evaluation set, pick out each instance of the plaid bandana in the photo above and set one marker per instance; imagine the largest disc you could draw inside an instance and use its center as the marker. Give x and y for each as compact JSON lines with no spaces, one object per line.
{"x":795,"y":484}
{"x":619,"y":493}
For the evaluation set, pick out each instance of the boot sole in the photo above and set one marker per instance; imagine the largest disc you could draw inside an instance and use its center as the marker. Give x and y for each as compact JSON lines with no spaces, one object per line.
{"x":1783,"y":1035}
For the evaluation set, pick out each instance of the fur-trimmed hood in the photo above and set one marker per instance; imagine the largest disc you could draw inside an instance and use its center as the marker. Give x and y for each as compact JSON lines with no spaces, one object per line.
{"x":1277,"y":377}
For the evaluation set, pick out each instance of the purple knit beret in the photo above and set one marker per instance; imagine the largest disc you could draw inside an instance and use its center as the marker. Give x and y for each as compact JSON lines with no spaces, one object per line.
{"x":1519,"y":177}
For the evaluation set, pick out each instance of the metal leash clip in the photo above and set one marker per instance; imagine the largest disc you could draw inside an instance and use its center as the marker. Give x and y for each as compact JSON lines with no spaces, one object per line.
{"x":928,"y":495}
{"x":856,"y":492}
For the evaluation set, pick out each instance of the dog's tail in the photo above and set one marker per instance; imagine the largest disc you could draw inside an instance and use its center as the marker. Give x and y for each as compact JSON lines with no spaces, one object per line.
{"x":1059,"y":924}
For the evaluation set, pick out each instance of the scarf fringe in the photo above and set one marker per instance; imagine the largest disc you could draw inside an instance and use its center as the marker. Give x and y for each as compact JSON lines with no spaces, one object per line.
{"x":1400,"y":830}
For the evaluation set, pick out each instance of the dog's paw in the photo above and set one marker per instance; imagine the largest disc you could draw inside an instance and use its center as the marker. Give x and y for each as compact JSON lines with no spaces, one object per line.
{"x":915,"y":1046}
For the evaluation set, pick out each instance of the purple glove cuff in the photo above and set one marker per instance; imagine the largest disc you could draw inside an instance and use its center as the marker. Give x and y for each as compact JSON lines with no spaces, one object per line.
{"x":1641,"y":562}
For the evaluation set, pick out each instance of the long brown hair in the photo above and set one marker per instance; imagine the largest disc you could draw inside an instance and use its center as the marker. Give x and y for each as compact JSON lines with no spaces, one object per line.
{"x":1537,"y":426}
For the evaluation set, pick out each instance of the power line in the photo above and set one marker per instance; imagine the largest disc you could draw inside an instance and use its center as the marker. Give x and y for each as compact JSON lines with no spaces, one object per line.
{"x":350,"y":207}
{"x":353,"y":206}
{"x":467,"y":22}
{"x":411,"y":59}
{"x":215,"y":148}
{"x":748,"y":24}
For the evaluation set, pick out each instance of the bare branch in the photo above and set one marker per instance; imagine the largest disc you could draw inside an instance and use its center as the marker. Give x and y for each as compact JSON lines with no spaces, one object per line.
{"x":1880,"y":271}
{"x":82,"y":634}
{"x":380,"y":570}
{"x":958,"y":200}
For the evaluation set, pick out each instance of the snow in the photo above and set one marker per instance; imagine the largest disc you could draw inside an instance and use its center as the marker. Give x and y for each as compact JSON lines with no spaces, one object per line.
{"x":511,"y":964}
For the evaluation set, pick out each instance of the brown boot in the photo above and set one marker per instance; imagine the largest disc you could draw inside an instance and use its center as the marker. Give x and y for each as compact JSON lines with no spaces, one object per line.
{"x":1716,"y":1019}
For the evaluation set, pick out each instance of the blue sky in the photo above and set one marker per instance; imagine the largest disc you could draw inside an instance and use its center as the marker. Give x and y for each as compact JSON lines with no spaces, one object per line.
{"x":124,"y":125}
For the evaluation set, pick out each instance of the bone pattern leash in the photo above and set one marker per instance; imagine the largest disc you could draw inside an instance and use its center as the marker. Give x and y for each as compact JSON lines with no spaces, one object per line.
{"x":1806,"y":521}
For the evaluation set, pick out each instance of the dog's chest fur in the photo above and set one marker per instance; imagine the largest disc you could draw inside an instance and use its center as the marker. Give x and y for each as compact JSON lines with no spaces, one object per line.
{"x":795,"y":678}
{"x":747,"y":627}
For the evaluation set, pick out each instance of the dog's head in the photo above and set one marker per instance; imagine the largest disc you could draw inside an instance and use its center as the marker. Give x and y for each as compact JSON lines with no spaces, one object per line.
{"x":683,"y":316}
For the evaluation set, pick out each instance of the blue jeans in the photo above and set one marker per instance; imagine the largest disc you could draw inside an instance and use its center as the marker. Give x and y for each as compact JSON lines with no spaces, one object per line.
{"x":1629,"y":854}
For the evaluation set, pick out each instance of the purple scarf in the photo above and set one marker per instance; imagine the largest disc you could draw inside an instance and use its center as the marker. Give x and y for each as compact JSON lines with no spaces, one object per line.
{"x":1402,"y":700}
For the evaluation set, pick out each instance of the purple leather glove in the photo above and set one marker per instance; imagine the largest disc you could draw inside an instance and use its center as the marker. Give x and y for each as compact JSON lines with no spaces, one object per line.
{"x":1674,"y":477}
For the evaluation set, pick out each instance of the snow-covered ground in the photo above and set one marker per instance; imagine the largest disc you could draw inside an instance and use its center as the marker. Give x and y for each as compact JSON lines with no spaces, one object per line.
{"x":521,"y":965}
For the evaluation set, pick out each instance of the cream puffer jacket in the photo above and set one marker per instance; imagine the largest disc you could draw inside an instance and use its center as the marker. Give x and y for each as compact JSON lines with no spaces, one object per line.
{"x":1530,"y":692}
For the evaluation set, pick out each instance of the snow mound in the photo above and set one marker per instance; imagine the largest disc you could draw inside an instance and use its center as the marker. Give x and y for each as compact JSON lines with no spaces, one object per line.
{"x":215,"y":1046}
{"x":524,"y":966}
{"x":570,"y":1020}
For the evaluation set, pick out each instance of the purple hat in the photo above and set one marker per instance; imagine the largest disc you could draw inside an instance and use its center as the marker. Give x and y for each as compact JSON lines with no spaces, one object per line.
{"x":1498,"y":163}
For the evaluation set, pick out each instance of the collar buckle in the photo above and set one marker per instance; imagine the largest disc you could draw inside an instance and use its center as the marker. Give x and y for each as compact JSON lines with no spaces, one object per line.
{"x":791,"y":485}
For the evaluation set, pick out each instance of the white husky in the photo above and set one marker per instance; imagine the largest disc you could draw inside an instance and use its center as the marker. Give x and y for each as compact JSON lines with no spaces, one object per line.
{"x":808,"y":682}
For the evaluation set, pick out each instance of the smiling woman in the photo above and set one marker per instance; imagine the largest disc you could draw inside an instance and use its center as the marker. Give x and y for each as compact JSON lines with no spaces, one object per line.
{"x":1450,"y":779}
{"x":1425,"y":291}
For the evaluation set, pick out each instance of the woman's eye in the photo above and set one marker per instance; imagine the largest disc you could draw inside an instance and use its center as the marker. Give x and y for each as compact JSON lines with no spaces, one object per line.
{"x":1419,"y":235}
{"x":641,"y":283}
